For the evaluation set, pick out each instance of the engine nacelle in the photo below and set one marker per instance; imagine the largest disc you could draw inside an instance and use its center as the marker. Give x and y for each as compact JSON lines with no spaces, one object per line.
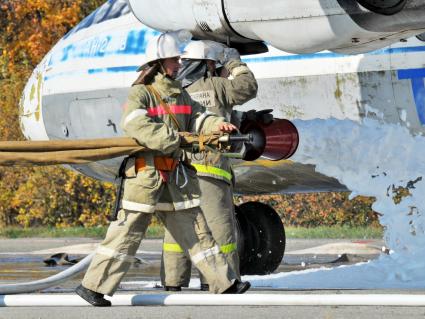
{"x":204,"y":19}
{"x":306,"y":26}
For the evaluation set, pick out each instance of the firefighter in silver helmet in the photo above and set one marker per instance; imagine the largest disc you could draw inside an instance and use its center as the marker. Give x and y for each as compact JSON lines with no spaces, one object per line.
{"x":218,"y":95}
{"x":159,"y":181}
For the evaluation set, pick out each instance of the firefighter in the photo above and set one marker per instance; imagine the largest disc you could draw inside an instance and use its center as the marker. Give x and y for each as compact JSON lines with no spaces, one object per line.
{"x":160,"y":180}
{"x":219,"y":95}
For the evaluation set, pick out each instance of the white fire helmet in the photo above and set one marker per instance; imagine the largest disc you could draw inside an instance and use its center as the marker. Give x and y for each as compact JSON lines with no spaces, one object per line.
{"x":204,"y":50}
{"x":166,"y":45}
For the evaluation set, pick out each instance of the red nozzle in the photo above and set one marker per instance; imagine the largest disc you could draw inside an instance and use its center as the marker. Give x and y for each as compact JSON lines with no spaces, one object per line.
{"x":275,"y":141}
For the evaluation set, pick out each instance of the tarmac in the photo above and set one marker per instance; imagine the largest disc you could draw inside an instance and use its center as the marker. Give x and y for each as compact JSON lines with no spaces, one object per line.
{"x":21,"y":260}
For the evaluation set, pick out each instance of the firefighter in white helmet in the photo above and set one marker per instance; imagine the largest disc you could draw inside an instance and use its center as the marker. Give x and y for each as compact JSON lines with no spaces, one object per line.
{"x":219,"y":95}
{"x":159,"y":181}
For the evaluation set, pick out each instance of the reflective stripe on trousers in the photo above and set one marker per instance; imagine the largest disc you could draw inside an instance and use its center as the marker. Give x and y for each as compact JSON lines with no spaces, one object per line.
{"x":115,"y":254}
{"x":175,"y":248}
{"x":207,"y":169}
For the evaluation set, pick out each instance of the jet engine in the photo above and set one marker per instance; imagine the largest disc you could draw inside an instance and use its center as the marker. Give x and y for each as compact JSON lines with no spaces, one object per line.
{"x":344,"y":26}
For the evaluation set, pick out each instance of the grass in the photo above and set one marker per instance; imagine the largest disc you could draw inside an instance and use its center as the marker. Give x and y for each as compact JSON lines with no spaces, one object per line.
{"x":50,"y":232}
{"x":155,"y":231}
{"x":334,"y":232}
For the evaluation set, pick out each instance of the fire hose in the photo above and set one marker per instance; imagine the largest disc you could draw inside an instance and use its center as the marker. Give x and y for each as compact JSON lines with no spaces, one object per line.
{"x":53,"y":152}
{"x":275,"y":141}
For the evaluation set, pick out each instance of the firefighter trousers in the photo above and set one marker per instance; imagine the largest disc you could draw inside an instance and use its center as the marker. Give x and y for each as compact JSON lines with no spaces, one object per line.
{"x":218,"y":213}
{"x":116,"y":253}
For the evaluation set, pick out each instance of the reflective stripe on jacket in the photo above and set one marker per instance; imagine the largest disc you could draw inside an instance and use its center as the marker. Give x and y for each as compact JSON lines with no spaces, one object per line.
{"x":147,"y":121}
{"x":212,"y":171}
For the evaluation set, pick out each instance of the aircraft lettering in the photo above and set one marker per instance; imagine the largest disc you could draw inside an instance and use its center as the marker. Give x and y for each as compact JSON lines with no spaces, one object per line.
{"x":100,"y":46}
{"x":416,"y":76}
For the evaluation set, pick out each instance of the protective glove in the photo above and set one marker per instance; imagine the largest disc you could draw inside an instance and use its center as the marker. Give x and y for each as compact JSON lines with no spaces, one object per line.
{"x":231,"y":54}
{"x":262,"y":116}
{"x":236,"y":117}
{"x":216,"y":50}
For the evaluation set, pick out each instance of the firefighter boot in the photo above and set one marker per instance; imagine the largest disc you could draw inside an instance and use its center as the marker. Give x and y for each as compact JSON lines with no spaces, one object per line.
{"x":205,"y":287}
{"x":94,"y":298}
{"x":173,"y":288}
{"x":238,"y":287}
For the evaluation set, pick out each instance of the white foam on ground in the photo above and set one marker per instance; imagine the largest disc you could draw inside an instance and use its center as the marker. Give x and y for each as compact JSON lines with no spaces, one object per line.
{"x":371,"y":159}
{"x":338,"y":249}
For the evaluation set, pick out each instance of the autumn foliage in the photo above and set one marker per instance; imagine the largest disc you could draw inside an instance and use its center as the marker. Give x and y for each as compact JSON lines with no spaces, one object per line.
{"x":319,"y":209}
{"x":59,"y":197}
{"x":41,"y":195}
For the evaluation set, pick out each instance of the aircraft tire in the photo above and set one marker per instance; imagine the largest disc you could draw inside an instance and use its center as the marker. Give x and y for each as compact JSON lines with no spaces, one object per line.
{"x":261,"y":238}
{"x":385,"y":7}
{"x":245,"y":242}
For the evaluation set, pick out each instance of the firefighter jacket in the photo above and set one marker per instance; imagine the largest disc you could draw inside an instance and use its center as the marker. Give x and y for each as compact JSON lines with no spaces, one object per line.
{"x":219,"y":95}
{"x":146,"y":120}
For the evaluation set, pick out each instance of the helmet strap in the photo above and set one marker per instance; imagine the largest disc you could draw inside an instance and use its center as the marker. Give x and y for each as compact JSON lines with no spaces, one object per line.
{"x":147,"y":75}
{"x":162,"y":70}
{"x":161,"y":66}
{"x":208,"y":73}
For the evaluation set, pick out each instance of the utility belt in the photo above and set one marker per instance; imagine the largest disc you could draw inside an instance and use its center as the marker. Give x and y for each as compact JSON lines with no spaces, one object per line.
{"x":161,"y":163}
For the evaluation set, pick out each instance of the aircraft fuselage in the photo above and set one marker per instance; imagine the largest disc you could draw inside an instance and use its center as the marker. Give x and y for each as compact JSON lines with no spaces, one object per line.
{"x":80,"y":87}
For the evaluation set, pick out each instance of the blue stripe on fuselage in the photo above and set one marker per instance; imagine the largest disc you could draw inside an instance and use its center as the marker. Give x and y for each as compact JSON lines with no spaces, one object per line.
{"x":411,"y":74}
{"x":117,"y":69}
{"x":134,"y":43}
{"x":331,"y":55}
{"x":416,"y":77}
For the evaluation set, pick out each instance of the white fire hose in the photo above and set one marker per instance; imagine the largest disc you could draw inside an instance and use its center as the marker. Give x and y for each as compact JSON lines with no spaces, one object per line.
{"x":58,"y":300}
{"x":8,"y":297}
{"x":32,"y":286}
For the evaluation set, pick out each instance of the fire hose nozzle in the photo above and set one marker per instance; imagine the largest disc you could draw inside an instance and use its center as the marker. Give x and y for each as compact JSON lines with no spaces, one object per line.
{"x":237,"y":138}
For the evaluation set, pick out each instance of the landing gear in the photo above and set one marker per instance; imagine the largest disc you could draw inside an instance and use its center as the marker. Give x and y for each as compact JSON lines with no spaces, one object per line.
{"x":261,"y":238}
{"x":385,"y":7}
